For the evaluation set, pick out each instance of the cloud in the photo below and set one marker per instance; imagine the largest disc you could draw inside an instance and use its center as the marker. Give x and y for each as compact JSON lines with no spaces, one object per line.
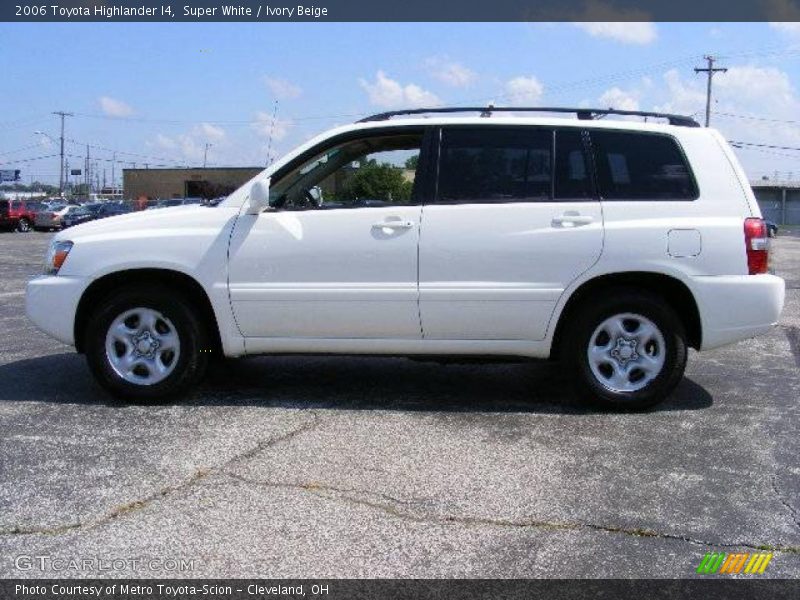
{"x":756,"y":85}
{"x":166,"y":142}
{"x":266,"y":126}
{"x":189,"y":147}
{"x":682,"y":96}
{"x":619,"y":99}
{"x":749,"y":103}
{"x":388,"y":93}
{"x":524,"y":89}
{"x":210,"y":131}
{"x":450,"y":73}
{"x":282,"y":89}
{"x":626,"y":33}
{"x":114,"y":108}
{"x":628,"y":26}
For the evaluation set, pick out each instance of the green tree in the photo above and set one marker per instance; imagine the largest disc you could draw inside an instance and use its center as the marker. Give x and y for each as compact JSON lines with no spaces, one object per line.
{"x":412,"y":162}
{"x":373,"y":181}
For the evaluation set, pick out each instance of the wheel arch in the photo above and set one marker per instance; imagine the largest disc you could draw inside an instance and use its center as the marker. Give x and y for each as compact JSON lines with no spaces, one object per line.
{"x":674,"y":291}
{"x":177,"y":281}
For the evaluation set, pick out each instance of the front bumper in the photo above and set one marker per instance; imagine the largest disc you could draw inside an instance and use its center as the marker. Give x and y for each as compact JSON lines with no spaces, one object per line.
{"x":737,"y":307}
{"x":51,"y":302}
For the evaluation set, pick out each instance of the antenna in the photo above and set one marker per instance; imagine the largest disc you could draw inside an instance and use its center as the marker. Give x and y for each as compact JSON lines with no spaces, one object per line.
{"x":271,"y":131}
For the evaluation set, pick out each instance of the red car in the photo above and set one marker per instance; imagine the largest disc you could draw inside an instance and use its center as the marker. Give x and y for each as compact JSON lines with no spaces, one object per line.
{"x":17,"y":214}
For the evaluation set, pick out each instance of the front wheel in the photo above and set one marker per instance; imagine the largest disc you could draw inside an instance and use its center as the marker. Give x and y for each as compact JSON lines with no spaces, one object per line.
{"x":146,"y":346}
{"x":628,"y":350}
{"x":23,"y":225}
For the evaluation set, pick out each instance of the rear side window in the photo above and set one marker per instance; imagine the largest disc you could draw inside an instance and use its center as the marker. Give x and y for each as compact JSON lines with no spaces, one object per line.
{"x":495,"y":165}
{"x":641,"y":166}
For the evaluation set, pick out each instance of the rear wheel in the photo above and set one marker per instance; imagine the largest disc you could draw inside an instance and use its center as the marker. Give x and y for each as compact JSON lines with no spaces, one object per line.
{"x":146,"y":346}
{"x":23,"y":225}
{"x":628,"y":350}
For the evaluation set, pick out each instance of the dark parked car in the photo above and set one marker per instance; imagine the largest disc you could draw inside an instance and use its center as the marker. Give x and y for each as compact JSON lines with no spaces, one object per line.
{"x":92,"y":212}
{"x":772,"y":229}
{"x":17,"y":214}
{"x":165,"y":203}
{"x":112,"y":209}
{"x":82,"y":215}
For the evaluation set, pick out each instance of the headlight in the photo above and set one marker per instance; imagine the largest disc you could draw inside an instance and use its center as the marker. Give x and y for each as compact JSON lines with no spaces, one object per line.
{"x":56,"y":255}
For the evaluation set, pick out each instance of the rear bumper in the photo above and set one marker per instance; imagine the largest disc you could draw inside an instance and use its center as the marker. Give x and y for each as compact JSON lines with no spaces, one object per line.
{"x":737,"y":307}
{"x":51,"y":302}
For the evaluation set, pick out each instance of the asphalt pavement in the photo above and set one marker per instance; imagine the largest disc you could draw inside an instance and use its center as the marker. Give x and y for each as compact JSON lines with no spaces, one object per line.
{"x":386,"y":467}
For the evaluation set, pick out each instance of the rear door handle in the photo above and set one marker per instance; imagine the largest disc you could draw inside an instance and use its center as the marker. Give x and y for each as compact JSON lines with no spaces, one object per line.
{"x":572,"y":219}
{"x":393,"y":225}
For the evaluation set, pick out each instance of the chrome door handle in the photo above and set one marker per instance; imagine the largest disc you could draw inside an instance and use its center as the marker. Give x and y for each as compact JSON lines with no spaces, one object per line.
{"x":572,"y":219}
{"x":393,"y":225}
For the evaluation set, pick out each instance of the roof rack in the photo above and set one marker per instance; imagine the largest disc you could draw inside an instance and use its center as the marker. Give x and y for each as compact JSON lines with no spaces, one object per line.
{"x":585,"y":114}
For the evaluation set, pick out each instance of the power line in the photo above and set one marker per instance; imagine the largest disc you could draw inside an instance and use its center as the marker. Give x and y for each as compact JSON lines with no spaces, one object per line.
{"x":114,"y":150}
{"x":756,"y":145}
{"x":754,"y":118}
{"x":27,"y":160}
{"x":6,"y":152}
{"x":214,"y":121}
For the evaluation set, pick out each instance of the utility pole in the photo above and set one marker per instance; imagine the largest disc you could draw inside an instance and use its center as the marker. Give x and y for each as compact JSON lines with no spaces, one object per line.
{"x":205,"y":154}
{"x":709,"y":70}
{"x":62,"y":114}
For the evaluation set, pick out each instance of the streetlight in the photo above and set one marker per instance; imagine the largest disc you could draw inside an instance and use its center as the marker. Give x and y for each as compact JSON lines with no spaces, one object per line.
{"x":47,"y":135}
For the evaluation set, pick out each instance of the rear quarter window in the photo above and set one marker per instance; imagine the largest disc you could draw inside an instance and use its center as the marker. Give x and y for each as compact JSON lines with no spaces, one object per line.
{"x":641,"y":166}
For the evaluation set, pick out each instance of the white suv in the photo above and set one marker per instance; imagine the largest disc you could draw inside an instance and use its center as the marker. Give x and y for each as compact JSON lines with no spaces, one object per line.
{"x":613,"y":245}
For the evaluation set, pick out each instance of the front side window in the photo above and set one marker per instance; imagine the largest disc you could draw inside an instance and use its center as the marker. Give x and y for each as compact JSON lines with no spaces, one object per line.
{"x":641,"y":166}
{"x":495,"y":165}
{"x":359,"y":173}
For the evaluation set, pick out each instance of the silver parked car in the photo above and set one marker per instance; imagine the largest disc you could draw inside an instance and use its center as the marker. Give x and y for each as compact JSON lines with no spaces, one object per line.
{"x":47,"y":220}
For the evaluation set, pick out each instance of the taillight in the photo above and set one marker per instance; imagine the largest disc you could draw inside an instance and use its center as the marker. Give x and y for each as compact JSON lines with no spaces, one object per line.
{"x":756,"y":243}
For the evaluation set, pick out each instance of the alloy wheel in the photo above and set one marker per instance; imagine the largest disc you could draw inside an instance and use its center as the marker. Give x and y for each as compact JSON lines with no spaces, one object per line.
{"x":626,"y":352}
{"x":142,"y":346}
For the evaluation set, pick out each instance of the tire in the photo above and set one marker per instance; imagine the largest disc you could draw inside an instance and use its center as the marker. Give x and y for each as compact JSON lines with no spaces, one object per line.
{"x":158,"y":347}
{"x":23,"y":225}
{"x":612,"y":371}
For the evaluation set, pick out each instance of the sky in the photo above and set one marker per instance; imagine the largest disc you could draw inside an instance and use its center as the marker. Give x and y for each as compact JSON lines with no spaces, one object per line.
{"x":155,"y":94}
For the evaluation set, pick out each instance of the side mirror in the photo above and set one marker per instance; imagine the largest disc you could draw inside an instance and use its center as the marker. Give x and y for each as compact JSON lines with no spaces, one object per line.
{"x":259,"y":197}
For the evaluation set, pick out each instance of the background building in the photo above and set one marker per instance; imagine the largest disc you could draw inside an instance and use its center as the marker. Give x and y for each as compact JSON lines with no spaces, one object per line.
{"x":779,"y":200}
{"x":184,"y":183}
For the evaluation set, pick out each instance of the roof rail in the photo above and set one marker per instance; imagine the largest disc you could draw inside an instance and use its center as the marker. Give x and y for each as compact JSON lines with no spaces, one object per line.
{"x":586,"y":114}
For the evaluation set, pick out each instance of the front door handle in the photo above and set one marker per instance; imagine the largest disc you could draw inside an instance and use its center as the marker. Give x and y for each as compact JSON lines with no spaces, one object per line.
{"x":572,"y":219}
{"x":393,"y":225}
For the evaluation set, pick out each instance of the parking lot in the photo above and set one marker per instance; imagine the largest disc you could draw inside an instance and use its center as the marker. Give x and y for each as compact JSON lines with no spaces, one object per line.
{"x":386,"y":467}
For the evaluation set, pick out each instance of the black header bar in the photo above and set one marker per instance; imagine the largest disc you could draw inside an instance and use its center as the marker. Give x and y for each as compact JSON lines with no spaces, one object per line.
{"x":407,"y":10}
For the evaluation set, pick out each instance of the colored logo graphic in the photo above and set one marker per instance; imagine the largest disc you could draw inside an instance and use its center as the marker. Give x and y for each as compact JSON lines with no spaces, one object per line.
{"x":720,"y":563}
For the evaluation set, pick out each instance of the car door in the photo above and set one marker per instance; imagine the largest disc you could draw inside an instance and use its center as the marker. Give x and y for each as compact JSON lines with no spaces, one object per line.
{"x":342,"y":265}
{"x":513,"y":221}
